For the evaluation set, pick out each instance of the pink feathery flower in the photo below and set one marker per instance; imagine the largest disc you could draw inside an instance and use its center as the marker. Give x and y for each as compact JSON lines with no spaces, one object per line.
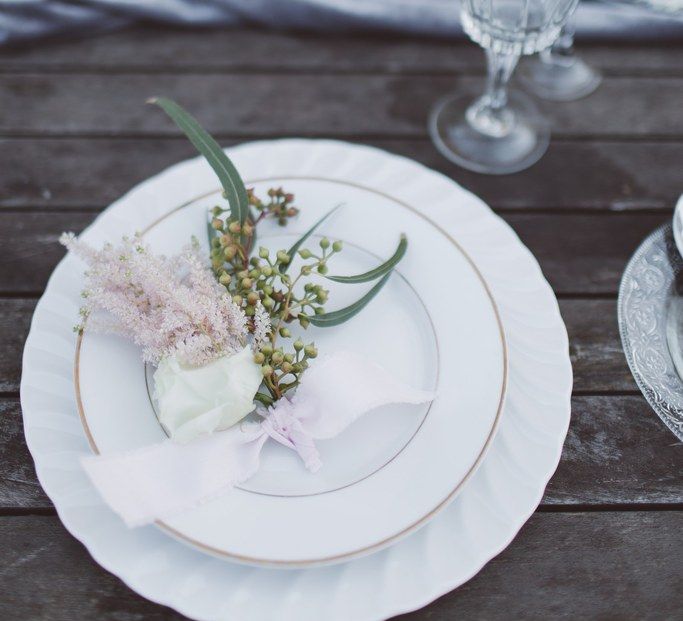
{"x":168,"y":306}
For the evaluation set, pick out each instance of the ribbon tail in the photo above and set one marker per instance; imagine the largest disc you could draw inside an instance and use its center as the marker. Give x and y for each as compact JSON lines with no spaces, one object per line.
{"x":344,"y":386}
{"x":161,"y":480}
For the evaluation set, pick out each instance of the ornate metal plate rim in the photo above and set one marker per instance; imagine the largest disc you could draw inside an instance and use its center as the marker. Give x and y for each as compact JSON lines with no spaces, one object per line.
{"x":644,"y":294}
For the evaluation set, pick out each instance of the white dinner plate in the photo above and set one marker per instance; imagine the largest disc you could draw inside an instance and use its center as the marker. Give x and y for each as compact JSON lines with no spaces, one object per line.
{"x":480,"y":522}
{"x":434,"y":326}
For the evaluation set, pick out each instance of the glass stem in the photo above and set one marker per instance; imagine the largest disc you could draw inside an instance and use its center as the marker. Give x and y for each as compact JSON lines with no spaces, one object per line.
{"x":562,"y":51}
{"x":490,"y":114}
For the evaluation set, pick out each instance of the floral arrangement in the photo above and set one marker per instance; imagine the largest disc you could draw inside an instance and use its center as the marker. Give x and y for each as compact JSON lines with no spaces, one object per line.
{"x":170,"y":307}
{"x":218,"y":330}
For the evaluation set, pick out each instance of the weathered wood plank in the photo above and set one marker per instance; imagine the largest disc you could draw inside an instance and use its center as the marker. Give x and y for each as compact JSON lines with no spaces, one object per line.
{"x":595,"y":348}
{"x":310,"y":105}
{"x":19,"y":487}
{"x":584,"y":253}
{"x":247,"y":50}
{"x":15,"y":319}
{"x":617,"y":452}
{"x":578,"y":253}
{"x":580,"y":565}
{"x":89,"y":173}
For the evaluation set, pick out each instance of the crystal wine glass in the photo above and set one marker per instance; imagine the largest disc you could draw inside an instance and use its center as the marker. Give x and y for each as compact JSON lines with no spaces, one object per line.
{"x":557,"y":73}
{"x":500,"y":132}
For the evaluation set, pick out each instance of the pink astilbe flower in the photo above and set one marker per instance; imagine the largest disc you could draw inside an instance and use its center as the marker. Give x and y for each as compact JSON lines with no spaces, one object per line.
{"x":168,"y":306}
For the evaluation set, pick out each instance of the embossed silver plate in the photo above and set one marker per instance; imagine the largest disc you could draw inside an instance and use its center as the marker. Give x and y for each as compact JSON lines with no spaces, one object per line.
{"x":650,"y":305}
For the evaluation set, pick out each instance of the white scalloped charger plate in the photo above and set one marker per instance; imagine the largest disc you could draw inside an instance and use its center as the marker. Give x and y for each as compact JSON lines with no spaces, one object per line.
{"x":453,"y":546}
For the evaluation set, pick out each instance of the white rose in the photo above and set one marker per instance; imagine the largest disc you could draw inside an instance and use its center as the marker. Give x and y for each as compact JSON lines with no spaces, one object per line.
{"x":197,"y":401}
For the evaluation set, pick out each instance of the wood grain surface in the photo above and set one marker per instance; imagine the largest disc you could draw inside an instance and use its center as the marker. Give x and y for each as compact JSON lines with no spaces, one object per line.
{"x":75,"y":135}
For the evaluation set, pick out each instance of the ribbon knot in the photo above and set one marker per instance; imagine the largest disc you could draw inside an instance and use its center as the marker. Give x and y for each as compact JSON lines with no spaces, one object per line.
{"x":281,"y":422}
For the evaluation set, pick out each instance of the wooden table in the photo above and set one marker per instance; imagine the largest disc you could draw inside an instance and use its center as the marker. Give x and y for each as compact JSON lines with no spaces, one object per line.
{"x":606,"y":541}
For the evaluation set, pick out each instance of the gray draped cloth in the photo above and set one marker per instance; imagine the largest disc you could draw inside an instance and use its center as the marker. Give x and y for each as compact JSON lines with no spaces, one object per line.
{"x":22,"y":20}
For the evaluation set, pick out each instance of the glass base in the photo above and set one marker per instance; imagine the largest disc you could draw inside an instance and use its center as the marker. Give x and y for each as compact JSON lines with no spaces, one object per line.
{"x":561,"y":80}
{"x":456,"y":139}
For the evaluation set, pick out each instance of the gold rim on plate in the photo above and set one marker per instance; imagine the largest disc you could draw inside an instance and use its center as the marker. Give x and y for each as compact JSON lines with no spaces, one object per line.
{"x":408,"y":529}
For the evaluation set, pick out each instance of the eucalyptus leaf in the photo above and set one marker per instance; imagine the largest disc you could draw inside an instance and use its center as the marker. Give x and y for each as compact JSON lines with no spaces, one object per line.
{"x":380,"y":270}
{"x":293,"y":250}
{"x":233,"y":186}
{"x":327,"y":320}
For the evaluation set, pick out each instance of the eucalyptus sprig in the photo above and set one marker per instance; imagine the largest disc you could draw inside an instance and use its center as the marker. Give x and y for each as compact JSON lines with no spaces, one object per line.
{"x":261,"y":280}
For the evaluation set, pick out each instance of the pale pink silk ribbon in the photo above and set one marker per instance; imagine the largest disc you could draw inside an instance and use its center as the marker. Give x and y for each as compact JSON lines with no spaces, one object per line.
{"x":164,"y":479}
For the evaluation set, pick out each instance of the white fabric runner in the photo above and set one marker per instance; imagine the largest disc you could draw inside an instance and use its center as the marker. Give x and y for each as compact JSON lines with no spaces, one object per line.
{"x":164,"y":479}
{"x":30,"y":19}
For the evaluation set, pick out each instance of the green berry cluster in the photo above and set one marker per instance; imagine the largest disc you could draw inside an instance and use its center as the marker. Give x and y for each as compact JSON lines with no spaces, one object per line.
{"x":265,"y":278}
{"x":282,"y":370}
{"x":278,"y":206}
